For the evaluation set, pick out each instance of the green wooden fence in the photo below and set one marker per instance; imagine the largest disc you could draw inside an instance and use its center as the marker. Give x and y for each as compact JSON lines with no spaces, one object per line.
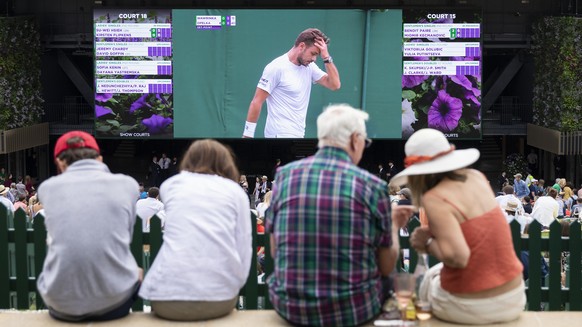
{"x":23,"y":249}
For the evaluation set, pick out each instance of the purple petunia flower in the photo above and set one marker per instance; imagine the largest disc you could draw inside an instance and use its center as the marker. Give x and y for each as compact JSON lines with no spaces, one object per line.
{"x":102,"y":97}
{"x":413,"y":80}
{"x":463,"y":81}
{"x":139,"y":103}
{"x":102,"y":111}
{"x":445,"y":112}
{"x":156,"y":123}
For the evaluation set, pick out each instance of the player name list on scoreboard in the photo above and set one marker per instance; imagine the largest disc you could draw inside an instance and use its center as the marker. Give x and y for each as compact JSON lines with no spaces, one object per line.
{"x":125,"y":51}
{"x":448,"y":41}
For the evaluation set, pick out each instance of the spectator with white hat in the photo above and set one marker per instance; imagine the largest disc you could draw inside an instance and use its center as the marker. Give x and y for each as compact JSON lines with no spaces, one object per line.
{"x":479,"y":279}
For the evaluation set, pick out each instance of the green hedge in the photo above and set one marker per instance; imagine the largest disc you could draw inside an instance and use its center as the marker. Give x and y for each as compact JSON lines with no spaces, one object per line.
{"x":20,"y":86}
{"x":557,"y":49}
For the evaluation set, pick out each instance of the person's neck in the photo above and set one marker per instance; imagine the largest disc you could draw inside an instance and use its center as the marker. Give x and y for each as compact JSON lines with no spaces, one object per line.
{"x":292,"y":54}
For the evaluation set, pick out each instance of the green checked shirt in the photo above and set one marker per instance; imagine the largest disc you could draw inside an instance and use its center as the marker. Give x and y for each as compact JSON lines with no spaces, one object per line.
{"x":328,"y":218}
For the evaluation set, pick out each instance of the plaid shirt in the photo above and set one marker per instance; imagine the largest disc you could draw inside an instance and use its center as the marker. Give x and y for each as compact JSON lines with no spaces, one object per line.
{"x":328,"y":218}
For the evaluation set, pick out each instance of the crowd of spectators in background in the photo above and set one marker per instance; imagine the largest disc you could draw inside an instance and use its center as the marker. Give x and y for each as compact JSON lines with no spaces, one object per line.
{"x":329,"y":221}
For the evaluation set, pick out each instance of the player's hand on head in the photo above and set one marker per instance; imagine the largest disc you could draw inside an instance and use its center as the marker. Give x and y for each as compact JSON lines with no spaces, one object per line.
{"x":322,"y":46}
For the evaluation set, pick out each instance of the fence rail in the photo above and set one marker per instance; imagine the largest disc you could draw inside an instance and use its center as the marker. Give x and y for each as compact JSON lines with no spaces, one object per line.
{"x":23,"y":249}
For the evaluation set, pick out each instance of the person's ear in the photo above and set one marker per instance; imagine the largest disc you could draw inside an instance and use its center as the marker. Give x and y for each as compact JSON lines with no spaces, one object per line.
{"x":99,"y":158}
{"x":61,"y":165}
{"x":353,"y":141}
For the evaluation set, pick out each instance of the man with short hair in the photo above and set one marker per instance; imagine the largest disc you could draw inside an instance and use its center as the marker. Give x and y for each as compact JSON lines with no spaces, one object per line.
{"x":20,"y":187}
{"x":150,"y":206}
{"x":519,"y":186}
{"x":533,"y":188}
{"x":265,"y":187}
{"x":89,"y":273}
{"x":286,"y":86}
{"x":164,"y":167}
{"x":508,"y":196}
{"x":545,"y":209}
{"x":391,"y":171}
{"x":333,"y":235}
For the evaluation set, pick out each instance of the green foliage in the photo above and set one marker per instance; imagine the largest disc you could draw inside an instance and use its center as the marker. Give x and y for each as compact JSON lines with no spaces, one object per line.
{"x":557,"y":48}
{"x":20,"y":87}
{"x":515,"y":163}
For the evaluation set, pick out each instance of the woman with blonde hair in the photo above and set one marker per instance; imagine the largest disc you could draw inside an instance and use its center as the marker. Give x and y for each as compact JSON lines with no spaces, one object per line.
{"x":479,"y":279}
{"x":263,"y":206}
{"x":393,"y":190}
{"x":206,"y":255}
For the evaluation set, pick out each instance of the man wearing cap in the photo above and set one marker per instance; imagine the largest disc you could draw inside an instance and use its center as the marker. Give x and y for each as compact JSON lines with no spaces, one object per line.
{"x":333,"y":234}
{"x":519,"y":186}
{"x":533,"y":188}
{"x":89,"y":273}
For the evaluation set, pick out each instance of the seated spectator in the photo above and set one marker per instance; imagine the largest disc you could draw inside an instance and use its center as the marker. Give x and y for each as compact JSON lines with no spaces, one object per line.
{"x":508,"y":196}
{"x":142,"y":192}
{"x":404,"y":196}
{"x":150,"y":206}
{"x":263,"y":206}
{"x":332,"y":232}
{"x":20,"y":186}
{"x":35,"y":206}
{"x":8,"y":181}
{"x":4,"y":200}
{"x":577,"y":208}
{"x":206,"y":255}
{"x":479,"y":277}
{"x":13,"y":194}
{"x":89,"y":273}
{"x":393,"y":192}
{"x":511,"y":213}
{"x":20,"y":203}
{"x":546,"y":208}
{"x":541,"y":188}
{"x":527,"y":208}
{"x":28,"y":184}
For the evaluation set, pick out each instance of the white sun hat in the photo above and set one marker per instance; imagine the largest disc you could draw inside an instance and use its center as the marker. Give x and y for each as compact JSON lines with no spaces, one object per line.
{"x":429,"y":152}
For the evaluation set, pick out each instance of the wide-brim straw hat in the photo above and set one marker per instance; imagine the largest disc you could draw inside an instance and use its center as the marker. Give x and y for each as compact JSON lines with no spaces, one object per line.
{"x":429,"y":152}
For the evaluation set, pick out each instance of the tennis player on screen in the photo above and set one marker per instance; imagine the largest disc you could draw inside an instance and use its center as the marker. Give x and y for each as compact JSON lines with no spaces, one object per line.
{"x":286,"y":86}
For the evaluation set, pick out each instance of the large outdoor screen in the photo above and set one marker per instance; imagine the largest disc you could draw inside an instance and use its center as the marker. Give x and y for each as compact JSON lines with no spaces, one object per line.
{"x":192,"y":73}
{"x":441,"y":79}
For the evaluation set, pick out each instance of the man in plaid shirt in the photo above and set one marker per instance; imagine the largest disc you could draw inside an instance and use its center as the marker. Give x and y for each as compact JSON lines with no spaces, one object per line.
{"x":333,"y":234}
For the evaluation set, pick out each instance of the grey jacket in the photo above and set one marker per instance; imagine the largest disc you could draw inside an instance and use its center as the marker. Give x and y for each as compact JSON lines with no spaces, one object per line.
{"x":90,"y":214}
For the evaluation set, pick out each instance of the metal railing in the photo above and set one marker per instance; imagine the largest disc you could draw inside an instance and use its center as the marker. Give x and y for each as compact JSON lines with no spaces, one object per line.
{"x":68,"y":113}
{"x":509,"y":114}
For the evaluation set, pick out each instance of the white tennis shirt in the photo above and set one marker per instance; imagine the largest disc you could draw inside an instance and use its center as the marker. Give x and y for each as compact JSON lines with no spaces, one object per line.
{"x":289,"y":88}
